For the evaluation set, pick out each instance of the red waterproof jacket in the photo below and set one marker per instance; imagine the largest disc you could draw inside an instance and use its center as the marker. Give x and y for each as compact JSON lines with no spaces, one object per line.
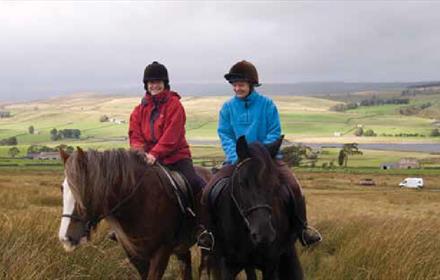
{"x":157,"y":126}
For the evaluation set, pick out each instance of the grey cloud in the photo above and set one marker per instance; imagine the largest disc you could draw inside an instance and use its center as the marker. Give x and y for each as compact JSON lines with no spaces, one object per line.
{"x":53,"y":47}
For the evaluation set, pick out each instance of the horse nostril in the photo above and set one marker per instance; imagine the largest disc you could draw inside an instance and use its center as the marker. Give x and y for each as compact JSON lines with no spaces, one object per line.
{"x":72,"y":240}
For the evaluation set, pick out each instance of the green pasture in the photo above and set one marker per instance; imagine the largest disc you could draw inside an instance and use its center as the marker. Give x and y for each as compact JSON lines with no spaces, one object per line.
{"x":301,"y":117}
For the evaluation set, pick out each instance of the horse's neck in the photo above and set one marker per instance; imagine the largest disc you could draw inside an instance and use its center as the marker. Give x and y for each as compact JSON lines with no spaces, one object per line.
{"x":233,"y":238}
{"x":232,"y":213}
{"x":126,"y":193}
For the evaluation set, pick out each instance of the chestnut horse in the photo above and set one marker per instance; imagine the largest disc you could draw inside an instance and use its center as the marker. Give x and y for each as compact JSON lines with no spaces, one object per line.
{"x":136,"y":200}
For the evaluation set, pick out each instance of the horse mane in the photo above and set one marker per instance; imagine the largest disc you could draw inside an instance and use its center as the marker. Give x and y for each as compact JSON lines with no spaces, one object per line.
{"x":268,"y":173}
{"x":93,"y":176}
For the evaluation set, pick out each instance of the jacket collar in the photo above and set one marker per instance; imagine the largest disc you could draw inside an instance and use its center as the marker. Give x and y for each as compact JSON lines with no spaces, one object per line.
{"x":248,"y":99}
{"x":159,"y":98}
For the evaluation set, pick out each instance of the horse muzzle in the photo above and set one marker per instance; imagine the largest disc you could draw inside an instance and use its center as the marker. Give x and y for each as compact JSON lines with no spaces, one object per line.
{"x":70,"y":244}
{"x":264,"y":236}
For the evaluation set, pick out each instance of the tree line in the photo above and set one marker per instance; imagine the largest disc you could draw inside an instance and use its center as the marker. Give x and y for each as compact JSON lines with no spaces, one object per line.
{"x":35,"y":149}
{"x":296,"y":155}
{"x":64,"y":133}
{"x":374,"y":101}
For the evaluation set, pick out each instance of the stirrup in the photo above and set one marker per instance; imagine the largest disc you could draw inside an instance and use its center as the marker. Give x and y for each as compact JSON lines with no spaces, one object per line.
{"x":303,"y":239}
{"x":211,"y":238}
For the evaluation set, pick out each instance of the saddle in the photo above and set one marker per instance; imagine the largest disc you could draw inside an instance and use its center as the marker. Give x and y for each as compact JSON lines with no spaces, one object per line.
{"x":181,"y":189}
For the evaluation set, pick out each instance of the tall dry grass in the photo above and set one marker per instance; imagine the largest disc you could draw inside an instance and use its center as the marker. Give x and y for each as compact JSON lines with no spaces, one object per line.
{"x":381,"y":233}
{"x":365,"y":247}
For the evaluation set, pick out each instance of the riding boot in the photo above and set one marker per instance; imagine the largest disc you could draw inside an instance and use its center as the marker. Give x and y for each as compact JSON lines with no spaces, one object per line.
{"x":307,"y":235}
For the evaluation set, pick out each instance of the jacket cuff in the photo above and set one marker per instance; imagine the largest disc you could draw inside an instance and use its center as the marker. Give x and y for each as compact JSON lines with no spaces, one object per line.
{"x":155,"y":154}
{"x":137,"y":147}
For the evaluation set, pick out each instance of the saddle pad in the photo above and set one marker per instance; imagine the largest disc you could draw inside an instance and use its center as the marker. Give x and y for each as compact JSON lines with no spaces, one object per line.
{"x":217,"y":190}
{"x":180,"y":181}
{"x":181,"y":189}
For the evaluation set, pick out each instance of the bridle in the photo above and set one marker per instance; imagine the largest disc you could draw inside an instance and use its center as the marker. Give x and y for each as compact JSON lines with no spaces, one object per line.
{"x":246,"y":212}
{"x":91,"y":223}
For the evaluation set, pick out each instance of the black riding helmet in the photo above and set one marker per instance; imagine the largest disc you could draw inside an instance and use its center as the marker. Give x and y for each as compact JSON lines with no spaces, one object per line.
{"x":156,"y":72}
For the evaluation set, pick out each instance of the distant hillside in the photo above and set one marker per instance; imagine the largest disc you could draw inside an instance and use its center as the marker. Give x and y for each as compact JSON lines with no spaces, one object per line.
{"x":213,"y":89}
{"x":292,"y":89}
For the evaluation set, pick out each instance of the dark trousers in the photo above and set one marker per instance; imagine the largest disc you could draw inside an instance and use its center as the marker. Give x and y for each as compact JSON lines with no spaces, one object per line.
{"x":185,"y":166}
{"x":288,"y":178}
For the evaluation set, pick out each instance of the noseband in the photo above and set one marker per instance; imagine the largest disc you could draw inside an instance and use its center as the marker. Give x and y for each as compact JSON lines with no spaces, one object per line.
{"x":244,"y":213}
{"x":88,"y":223}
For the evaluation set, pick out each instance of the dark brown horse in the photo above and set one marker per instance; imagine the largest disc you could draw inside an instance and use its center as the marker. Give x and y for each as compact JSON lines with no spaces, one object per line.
{"x":251,"y":224}
{"x":138,"y":203}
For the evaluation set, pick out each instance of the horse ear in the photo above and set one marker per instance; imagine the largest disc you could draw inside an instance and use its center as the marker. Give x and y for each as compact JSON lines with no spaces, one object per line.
{"x":64,"y":156}
{"x":81,"y":153}
{"x":242,"y":148}
{"x":275,"y":146}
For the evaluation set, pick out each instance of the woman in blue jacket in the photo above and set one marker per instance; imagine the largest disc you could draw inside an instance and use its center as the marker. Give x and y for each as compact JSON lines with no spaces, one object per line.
{"x":255,"y":116}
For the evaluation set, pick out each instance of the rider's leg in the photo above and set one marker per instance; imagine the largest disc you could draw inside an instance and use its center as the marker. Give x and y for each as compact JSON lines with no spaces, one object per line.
{"x":307,"y":235}
{"x":204,"y":238}
{"x":186,"y":167}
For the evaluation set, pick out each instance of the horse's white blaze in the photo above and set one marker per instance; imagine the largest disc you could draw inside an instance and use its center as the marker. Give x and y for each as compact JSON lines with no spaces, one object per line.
{"x":68,"y":207}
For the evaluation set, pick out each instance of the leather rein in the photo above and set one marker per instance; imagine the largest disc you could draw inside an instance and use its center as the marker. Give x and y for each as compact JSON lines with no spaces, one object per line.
{"x":244,"y":213}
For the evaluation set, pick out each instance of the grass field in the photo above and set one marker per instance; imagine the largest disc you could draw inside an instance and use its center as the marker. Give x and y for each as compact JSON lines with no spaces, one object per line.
{"x":380,"y":232}
{"x":373,"y":158}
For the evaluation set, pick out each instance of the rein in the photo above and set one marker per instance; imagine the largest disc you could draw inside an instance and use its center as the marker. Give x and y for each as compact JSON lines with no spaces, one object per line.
{"x":246,"y":212}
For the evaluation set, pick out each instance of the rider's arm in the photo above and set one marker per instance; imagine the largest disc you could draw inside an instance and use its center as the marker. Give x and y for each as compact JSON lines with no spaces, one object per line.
{"x":227,"y":135}
{"x":273,"y":124}
{"x":135,"y":136}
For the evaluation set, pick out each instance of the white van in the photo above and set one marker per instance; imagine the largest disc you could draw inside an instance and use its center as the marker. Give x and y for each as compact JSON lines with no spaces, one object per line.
{"x":412,"y":183}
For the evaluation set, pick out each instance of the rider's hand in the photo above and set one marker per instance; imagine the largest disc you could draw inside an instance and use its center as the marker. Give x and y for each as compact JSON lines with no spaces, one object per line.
{"x":150,"y":159}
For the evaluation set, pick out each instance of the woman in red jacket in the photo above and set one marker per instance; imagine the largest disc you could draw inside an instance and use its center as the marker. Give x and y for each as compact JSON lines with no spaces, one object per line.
{"x":157,"y":126}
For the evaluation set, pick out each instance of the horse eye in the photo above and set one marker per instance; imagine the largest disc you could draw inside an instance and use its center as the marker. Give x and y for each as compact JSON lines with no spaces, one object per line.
{"x":62,"y":188}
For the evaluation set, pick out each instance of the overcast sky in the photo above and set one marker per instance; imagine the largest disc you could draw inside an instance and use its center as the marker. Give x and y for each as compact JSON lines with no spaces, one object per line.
{"x":51,"y":47}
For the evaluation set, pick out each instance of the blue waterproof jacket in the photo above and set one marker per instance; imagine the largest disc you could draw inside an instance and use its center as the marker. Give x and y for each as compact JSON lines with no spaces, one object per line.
{"x":256,"y":117}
